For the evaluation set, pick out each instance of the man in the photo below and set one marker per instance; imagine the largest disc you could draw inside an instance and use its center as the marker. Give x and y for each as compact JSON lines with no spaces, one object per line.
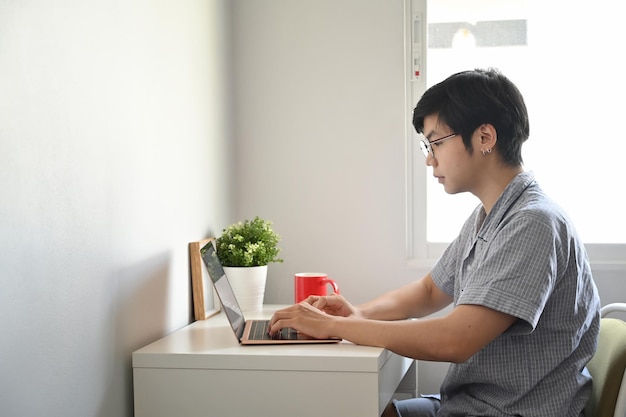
{"x":525,"y":314}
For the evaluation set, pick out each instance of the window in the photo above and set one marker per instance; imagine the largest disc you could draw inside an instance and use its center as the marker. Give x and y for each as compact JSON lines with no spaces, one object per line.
{"x":563,"y":56}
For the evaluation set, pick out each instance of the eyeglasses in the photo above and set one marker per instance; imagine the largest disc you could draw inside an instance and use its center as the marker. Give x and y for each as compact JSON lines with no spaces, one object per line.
{"x":426,"y":145}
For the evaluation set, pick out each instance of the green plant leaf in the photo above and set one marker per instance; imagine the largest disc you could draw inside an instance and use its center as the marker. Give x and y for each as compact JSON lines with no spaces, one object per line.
{"x":248,"y":243}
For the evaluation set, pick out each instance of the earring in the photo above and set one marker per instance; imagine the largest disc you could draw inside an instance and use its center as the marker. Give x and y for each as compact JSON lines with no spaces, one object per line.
{"x":486,"y":151}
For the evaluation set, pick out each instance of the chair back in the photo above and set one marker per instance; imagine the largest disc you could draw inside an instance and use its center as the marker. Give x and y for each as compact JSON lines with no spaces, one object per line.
{"x":607,"y":368}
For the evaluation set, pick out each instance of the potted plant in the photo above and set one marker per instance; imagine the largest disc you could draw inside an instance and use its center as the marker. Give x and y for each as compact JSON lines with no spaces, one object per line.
{"x":245,"y":249}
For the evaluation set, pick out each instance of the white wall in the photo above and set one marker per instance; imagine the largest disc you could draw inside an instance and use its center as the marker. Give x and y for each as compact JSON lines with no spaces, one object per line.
{"x":320,"y":131}
{"x":320,"y":111}
{"x":114,"y":150}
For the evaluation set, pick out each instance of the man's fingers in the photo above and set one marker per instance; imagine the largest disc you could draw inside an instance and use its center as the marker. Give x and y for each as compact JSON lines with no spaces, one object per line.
{"x":320,"y":303}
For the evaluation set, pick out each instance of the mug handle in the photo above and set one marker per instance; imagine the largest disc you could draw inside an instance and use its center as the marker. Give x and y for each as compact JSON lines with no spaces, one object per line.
{"x":333,"y":283}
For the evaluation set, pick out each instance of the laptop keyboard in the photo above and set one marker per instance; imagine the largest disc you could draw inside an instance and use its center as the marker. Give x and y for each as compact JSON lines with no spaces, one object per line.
{"x":259,"y":331}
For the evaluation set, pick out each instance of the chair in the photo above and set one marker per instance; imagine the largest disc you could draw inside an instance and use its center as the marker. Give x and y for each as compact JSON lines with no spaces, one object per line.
{"x":608,"y":397}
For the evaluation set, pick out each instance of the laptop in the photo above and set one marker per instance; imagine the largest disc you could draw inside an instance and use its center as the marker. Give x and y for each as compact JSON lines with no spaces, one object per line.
{"x":248,"y":332}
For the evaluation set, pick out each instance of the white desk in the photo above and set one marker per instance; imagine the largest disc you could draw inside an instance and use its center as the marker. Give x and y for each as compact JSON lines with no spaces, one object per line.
{"x":201,"y":370}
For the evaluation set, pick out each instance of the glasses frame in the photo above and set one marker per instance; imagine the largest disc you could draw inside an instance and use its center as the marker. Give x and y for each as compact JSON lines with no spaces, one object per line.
{"x":427,"y":147}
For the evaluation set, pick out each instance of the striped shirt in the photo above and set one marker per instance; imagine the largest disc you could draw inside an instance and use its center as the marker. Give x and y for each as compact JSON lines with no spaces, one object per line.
{"x":526,"y":260}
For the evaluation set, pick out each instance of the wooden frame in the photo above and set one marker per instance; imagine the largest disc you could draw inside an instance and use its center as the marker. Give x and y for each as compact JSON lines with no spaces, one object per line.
{"x":205,"y":302}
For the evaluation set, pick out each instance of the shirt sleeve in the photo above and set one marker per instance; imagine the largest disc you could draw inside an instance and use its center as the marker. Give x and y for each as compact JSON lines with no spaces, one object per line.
{"x":514,"y":272}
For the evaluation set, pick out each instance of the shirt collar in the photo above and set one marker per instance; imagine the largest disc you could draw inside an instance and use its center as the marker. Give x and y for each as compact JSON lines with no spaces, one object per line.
{"x":488,"y":223}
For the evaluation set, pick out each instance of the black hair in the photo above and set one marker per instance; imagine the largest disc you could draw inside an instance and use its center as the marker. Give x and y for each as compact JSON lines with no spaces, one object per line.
{"x":469,"y":99}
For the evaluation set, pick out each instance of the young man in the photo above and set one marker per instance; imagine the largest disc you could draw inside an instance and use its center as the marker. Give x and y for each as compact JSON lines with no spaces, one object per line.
{"x":525,"y":314}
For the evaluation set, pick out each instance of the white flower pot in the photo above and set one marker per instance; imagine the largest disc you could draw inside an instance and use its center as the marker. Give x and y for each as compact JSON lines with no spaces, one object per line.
{"x":248,"y":285}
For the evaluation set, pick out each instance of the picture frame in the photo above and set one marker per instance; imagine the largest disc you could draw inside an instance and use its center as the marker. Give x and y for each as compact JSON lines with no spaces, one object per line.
{"x":205,"y":301}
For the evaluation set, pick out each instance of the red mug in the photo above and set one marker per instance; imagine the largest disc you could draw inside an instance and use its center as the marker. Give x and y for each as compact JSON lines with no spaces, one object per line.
{"x":312,"y":283}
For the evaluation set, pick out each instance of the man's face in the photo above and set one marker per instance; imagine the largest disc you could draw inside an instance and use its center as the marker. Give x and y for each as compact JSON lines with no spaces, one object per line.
{"x":452,"y":164}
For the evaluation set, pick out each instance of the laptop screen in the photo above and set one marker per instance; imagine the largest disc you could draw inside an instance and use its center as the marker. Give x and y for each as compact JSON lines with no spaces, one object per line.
{"x":223,"y":288}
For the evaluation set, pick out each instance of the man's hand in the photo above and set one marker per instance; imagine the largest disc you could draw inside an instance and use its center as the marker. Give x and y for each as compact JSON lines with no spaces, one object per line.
{"x":333,"y":304}
{"x":305,"y":318}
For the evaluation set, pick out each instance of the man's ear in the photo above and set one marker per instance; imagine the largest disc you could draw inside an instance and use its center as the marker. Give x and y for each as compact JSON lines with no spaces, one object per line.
{"x":488,"y":137}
